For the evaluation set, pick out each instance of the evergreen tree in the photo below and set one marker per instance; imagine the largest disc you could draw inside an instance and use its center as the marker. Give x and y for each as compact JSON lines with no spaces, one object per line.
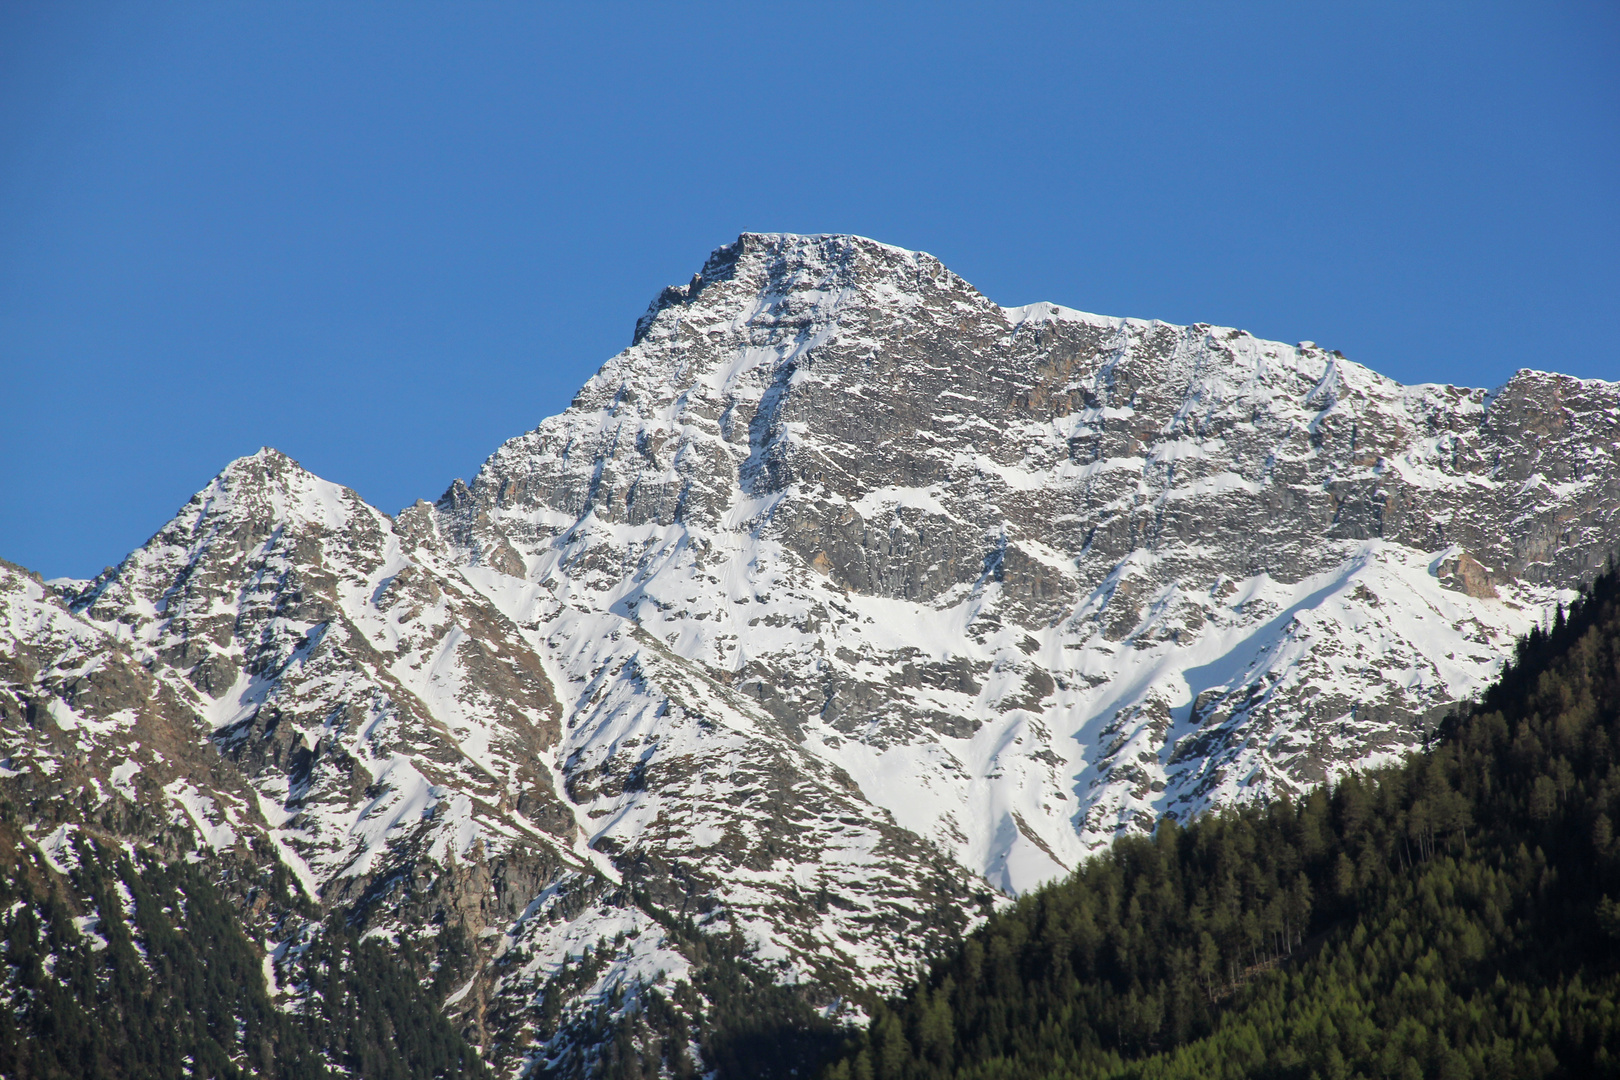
{"x":132,"y":969}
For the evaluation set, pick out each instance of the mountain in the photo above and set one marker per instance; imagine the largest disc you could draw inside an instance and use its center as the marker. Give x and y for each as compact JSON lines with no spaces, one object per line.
{"x":1450,"y":916}
{"x":841,"y":605}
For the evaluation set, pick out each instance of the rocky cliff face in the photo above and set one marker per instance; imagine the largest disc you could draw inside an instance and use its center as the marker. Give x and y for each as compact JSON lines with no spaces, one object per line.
{"x":839,"y":598}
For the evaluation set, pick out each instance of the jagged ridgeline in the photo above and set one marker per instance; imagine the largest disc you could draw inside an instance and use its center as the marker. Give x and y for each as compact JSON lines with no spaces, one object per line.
{"x":1452,"y":916}
{"x":125,"y":968}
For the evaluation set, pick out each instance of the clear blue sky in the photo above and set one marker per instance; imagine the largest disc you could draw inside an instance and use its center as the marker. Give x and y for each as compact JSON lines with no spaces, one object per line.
{"x":385,"y":237}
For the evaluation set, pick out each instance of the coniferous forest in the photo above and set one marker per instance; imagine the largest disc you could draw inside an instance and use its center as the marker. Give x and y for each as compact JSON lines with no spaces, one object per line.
{"x":1457,"y":915}
{"x":130,"y":969}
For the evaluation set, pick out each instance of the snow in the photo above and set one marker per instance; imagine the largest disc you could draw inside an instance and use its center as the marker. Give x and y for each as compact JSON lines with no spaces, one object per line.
{"x":87,"y":926}
{"x":122,"y":777}
{"x":57,"y":849}
{"x":201,"y":811}
{"x":277,"y":817}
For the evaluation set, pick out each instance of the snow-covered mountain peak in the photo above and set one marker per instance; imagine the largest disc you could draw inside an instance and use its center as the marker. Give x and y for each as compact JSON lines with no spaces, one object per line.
{"x":774,"y":266}
{"x":839,"y":597}
{"x":264,"y":510}
{"x":269,"y":484}
{"x":1032,"y":557}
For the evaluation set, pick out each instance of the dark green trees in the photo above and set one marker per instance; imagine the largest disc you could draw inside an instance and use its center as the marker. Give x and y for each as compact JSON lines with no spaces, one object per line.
{"x":135,"y":970}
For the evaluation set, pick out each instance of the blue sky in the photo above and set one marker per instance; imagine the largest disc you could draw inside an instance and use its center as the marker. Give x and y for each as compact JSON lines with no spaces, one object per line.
{"x":385,"y":237}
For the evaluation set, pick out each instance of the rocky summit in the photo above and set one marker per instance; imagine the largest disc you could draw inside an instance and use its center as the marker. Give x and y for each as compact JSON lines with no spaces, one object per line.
{"x":839,"y":606}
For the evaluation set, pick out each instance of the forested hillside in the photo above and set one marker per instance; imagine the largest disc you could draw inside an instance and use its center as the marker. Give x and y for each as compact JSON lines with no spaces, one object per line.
{"x":1452,"y":916}
{"x":124,"y":968}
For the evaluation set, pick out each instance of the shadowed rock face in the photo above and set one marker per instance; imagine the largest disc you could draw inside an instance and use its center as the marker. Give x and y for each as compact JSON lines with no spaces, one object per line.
{"x":840,"y":596}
